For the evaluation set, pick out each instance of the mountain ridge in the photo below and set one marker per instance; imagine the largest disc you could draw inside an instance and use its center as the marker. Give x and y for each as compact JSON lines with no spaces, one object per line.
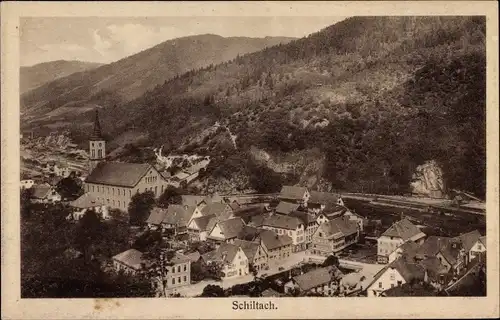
{"x":128,"y":78}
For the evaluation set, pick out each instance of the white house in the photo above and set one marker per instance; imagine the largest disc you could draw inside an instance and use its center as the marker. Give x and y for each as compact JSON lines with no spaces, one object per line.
{"x":87,"y":202}
{"x":397,"y":234}
{"x":395,"y":274}
{"x":284,"y":225}
{"x":226,"y":231}
{"x":473,"y":244}
{"x":233,"y":259}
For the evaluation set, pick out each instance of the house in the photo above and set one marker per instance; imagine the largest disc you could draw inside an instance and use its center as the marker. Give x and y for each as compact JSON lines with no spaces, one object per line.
{"x":44,"y":194}
{"x":283,"y":225}
{"x":396,"y":274}
{"x":473,"y":244}
{"x":221,"y":210}
{"x":249,"y":233}
{"x":286,"y":207}
{"x":235,"y":205}
{"x":334,"y":235}
{"x":116,"y":183}
{"x":256,"y":254}
{"x":174,"y":218}
{"x":277,"y":247}
{"x":407,"y":251}
{"x":437,"y":274}
{"x":87,"y":202}
{"x":232,"y":258}
{"x":310,"y":224}
{"x":322,"y":281}
{"x":397,"y":234}
{"x":353,"y":216}
{"x":448,"y":251}
{"x":318,"y":201}
{"x":199,"y":227}
{"x":226,"y":231}
{"x":62,"y":170}
{"x":27,"y":183}
{"x":294,"y":194}
{"x":178,"y":272}
{"x":130,"y":261}
{"x":330,"y":213}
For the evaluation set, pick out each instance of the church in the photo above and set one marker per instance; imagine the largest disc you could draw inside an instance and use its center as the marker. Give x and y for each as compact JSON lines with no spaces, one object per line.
{"x":115,"y":183}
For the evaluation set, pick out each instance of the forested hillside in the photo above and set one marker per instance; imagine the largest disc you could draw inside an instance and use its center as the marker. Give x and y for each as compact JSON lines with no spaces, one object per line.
{"x":58,"y":103}
{"x":376,"y":95}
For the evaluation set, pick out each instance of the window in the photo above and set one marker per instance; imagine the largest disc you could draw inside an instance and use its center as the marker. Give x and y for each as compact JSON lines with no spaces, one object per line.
{"x":93,"y":153}
{"x":392,"y":285}
{"x":130,"y":193}
{"x":179,"y":269}
{"x":179,"y":279}
{"x":400,"y":283}
{"x":118,"y":203}
{"x":93,"y":189}
{"x":113,"y":191}
{"x":393,"y":276}
{"x":185,"y":267}
{"x":100,"y":144}
{"x":380,"y":284}
{"x":320,"y":234}
{"x":173,"y":269}
{"x":99,"y":154}
{"x":185,"y":279}
{"x":173,"y":280}
{"x":92,"y":144}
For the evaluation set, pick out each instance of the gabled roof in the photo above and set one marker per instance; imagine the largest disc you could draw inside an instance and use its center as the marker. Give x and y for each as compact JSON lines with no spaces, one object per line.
{"x":231,"y":228}
{"x":234,"y":205}
{"x":194,"y":256}
{"x":305,"y":217}
{"x":292,"y":192}
{"x":118,"y":174}
{"x":469,"y":239}
{"x":175,"y":214}
{"x":408,"y":250}
{"x":180,"y":258}
{"x":407,"y":270}
{"x":131,"y":258}
{"x":403,"y":229}
{"x":317,"y":197}
{"x":204,"y":221}
{"x":218,"y":209}
{"x":87,"y":200}
{"x":449,"y":248}
{"x":249,"y":233}
{"x":192,"y":200}
{"x":339,"y":227}
{"x":225,"y":253}
{"x":483,"y":240}
{"x":272,"y":240}
{"x":317,"y":277}
{"x":433,"y":267}
{"x":249,"y":247}
{"x":40,"y":191}
{"x":282,"y":222}
{"x":286,"y":207}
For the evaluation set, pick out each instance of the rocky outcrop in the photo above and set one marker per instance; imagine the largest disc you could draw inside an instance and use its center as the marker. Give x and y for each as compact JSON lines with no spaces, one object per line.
{"x":428,"y":180}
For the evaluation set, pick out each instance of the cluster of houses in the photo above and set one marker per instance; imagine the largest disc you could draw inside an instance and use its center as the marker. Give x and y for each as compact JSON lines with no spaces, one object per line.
{"x":303,"y":220}
{"x":411,"y":257}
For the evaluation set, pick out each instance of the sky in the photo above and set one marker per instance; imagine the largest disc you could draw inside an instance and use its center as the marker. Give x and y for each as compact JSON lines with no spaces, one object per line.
{"x":104,"y":40}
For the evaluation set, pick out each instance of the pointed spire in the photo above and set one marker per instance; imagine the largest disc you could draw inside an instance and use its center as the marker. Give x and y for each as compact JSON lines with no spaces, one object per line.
{"x":96,"y":134}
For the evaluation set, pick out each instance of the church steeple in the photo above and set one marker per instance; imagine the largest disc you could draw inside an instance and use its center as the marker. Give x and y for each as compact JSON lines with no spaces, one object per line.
{"x":97,"y":145}
{"x":97,"y":133}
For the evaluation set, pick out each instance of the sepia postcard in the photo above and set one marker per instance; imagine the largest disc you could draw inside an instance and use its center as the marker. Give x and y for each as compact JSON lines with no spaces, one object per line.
{"x":258,"y":160}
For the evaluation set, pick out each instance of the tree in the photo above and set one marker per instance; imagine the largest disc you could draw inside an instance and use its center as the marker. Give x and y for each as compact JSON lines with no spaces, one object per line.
{"x":140,"y":207}
{"x":264,"y":180}
{"x":171,"y":195}
{"x":26,"y":195}
{"x":213,"y":291}
{"x":89,"y":229}
{"x":70,"y":188}
{"x":214,"y":271}
{"x":331,"y":261}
